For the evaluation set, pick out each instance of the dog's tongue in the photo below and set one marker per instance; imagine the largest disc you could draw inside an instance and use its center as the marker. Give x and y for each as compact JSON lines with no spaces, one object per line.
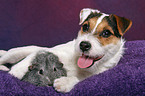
{"x":84,"y":62}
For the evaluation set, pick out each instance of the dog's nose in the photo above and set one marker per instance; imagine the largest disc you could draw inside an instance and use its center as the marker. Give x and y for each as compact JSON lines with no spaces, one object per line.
{"x":85,"y":46}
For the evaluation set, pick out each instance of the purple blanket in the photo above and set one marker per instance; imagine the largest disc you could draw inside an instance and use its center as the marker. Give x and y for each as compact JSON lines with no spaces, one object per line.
{"x":126,"y":79}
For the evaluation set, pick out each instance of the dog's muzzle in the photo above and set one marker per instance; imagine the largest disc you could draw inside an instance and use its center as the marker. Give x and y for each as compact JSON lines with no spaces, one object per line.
{"x":85,"y":46}
{"x":85,"y":60}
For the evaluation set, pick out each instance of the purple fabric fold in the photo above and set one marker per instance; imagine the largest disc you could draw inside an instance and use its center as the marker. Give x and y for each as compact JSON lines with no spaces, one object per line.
{"x":125,"y":79}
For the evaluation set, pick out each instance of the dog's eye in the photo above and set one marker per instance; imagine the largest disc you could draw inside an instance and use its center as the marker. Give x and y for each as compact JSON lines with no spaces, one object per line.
{"x":85,"y":27}
{"x":41,"y":72}
{"x":106,"y":33}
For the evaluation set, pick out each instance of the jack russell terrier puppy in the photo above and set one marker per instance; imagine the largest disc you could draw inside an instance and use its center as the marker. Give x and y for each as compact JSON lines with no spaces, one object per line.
{"x":98,"y":47}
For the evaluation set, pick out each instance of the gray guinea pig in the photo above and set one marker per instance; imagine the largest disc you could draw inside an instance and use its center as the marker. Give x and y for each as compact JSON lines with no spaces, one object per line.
{"x":45,"y":68}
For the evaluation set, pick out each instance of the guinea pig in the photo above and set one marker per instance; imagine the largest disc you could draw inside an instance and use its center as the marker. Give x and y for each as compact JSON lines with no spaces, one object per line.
{"x":45,"y":68}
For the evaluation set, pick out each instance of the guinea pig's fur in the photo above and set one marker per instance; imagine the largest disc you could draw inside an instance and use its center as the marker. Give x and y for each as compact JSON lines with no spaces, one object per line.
{"x":45,"y":68}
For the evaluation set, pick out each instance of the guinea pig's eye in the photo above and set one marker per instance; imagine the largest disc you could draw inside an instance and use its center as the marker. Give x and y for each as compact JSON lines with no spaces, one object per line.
{"x":106,"y":33}
{"x":54,"y":69}
{"x":85,"y":27}
{"x":41,"y":72}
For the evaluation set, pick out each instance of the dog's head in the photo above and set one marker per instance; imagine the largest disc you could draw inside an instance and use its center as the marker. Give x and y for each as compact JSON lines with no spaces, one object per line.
{"x":100,"y":37}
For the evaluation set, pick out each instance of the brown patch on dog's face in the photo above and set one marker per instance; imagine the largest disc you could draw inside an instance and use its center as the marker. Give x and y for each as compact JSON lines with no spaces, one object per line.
{"x":109,"y":30}
{"x":105,"y":41}
{"x":88,"y":26}
{"x":104,"y":28}
{"x":101,"y":27}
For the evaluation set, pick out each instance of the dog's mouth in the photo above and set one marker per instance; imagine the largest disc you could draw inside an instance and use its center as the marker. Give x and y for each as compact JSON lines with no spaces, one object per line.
{"x":86,"y":61}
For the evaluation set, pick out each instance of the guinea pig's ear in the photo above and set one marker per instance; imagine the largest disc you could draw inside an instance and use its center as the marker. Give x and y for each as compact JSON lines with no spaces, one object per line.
{"x":31,"y":67}
{"x":85,"y":13}
{"x":59,"y":65}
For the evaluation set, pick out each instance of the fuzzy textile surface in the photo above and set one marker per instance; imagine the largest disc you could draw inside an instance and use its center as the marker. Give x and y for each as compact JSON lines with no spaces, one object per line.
{"x":126,"y":79}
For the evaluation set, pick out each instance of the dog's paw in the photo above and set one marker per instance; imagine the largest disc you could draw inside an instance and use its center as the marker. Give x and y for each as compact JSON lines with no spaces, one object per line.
{"x":65,"y":84}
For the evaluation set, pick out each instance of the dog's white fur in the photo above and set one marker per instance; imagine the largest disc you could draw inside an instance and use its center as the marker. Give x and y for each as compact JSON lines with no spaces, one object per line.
{"x":68,"y":54}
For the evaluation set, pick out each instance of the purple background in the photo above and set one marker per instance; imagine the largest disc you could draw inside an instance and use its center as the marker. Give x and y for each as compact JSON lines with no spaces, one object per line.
{"x":51,"y":22}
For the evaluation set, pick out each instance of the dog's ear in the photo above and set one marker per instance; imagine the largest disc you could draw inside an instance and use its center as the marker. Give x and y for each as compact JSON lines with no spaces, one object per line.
{"x":85,"y":13}
{"x":123,"y":24}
